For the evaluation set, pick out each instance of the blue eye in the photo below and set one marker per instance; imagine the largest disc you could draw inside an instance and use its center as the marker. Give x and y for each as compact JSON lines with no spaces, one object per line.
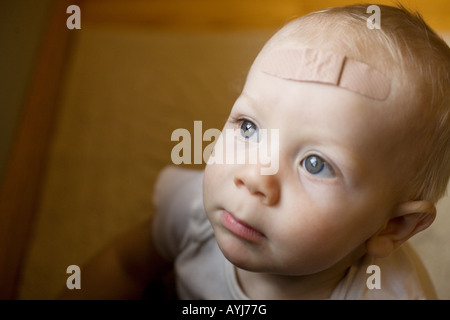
{"x":316,"y":166}
{"x":249,"y":130}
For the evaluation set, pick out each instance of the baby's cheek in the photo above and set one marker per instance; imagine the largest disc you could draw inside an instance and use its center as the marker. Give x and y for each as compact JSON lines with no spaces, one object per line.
{"x":208,"y":185}
{"x":325,"y":195}
{"x":214,"y":180}
{"x":315,"y":229}
{"x":309,"y":253}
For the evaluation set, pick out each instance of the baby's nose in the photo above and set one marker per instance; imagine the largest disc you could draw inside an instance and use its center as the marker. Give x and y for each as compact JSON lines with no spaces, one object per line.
{"x":265,"y":187}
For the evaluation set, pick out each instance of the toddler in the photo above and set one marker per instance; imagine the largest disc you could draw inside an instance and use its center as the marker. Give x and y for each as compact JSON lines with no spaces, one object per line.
{"x":362,"y":124}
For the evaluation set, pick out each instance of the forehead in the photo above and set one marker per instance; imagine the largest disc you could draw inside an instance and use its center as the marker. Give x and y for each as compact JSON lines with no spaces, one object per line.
{"x":302,"y":61}
{"x":312,"y":65}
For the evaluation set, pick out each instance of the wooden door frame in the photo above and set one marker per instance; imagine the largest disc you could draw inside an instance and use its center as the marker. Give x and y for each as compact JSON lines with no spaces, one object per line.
{"x":20,"y":188}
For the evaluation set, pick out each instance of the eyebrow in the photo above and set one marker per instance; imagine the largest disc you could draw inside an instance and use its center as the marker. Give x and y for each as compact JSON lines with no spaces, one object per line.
{"x":249,"y":99}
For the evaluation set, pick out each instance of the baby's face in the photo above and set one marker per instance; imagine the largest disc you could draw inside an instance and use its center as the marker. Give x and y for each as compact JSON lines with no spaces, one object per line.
{"x":336,"y":183}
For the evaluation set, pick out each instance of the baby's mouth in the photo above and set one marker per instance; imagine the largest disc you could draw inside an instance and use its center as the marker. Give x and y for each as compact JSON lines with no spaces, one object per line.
{"x":240,"y":228}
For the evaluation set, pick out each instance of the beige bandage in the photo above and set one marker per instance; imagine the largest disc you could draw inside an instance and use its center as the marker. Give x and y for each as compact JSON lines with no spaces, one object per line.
{"x":310,"y":65}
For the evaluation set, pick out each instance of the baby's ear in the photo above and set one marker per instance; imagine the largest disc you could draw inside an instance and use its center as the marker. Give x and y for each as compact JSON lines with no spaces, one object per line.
{"x":409,"y":218}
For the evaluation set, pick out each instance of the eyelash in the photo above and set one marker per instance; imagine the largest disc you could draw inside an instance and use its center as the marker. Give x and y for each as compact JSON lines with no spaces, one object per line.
{"x":238,"y":122}
{"x":329,"y":172}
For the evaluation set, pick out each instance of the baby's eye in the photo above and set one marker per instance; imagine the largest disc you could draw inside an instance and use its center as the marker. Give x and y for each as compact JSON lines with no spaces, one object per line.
{"x":249,"y":130}
{"x":318,"y":167}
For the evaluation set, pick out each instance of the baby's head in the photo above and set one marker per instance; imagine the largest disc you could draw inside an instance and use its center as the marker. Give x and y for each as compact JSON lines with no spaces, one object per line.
{"x":414,"y":59}
{"x":362,"y":121}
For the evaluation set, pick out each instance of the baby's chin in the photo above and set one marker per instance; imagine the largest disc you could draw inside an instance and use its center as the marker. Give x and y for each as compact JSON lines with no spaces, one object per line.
{"x":244,"y":256}
{"x":240,"y":254}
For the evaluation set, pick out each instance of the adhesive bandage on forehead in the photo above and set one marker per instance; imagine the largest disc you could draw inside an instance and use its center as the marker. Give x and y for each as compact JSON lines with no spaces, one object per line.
{"x":311,"y":65}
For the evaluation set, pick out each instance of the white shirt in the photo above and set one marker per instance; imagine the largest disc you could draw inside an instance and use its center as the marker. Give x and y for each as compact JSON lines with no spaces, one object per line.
{"x":182,"y":233}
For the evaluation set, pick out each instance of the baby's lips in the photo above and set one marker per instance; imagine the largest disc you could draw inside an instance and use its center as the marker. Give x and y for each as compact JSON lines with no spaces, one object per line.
{"x":240,"y":228}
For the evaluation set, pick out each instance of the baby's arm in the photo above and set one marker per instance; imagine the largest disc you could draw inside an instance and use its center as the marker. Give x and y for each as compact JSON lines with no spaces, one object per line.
{"x":123,"y":269}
